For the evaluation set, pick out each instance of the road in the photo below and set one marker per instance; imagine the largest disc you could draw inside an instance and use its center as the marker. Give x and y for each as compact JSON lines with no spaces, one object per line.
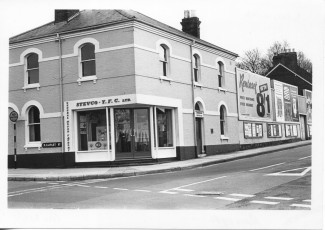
{"x":279,"y":181}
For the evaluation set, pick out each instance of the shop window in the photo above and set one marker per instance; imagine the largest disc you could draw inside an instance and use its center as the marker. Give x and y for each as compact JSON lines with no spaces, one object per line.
{"x":222,"y":120}
{"x":274,"y":130}
{"x":34,"y":124}
{"x":32,"y":69}
{"x":253,"y":130}
{"x":164,"y":60}
{"x":165,"y":127}
{"x":88,"y":63}
{"x":196,"y":68}
{"x":92,"y":130}
{"x":221,"y":74}
{"x":291,"y":130}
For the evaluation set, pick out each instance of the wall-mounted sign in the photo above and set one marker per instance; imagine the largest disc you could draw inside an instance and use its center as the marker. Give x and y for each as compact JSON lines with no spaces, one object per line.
{"x":51,"y":144}
{"x":254,"y":96}
{"x":286,"y":102}
{"x":199,"y":113}
{"x":308,"y":95}
{"x":13,"y":116}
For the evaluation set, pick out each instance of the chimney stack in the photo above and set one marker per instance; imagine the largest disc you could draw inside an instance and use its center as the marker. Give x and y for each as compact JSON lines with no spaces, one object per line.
{"x":64,"y":15}
{"x":288,"y":58}
{"x":191,"y":23}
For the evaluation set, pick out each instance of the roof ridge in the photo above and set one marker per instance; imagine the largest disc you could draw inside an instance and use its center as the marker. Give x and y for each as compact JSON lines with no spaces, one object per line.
{"x":125,"y":14}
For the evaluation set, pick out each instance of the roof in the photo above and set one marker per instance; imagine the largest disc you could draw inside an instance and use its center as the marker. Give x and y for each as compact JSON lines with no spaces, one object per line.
{"x":90,"y":19}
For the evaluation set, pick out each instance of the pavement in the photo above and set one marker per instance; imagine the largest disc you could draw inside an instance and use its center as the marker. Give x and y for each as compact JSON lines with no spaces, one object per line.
{"x":73,"y":174}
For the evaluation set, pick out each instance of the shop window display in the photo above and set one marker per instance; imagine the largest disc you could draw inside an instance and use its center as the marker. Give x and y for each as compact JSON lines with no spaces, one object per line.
{"x":164,"y":126}
{"x":92,"y":130}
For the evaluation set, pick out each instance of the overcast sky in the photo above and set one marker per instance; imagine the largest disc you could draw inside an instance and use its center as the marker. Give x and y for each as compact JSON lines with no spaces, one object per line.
{"x":235,"y":25}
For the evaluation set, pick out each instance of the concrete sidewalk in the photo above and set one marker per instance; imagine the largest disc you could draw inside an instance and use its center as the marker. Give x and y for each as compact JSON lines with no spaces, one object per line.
{"x":101,"y":173}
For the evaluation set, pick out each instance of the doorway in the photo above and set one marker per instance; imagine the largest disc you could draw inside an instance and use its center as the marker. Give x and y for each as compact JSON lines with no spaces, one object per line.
{"x":132,"y":136}
{"x":198,"y":123}
{"x":303,"y":127}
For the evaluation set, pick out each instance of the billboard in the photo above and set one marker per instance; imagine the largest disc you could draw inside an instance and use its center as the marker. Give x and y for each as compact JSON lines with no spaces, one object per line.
{"x":254,"y":96}
{"x":286,"y":102}
{"x":308,"y":96}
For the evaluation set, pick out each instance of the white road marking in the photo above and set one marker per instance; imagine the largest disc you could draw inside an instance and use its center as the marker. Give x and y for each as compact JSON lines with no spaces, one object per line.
{"x":177,"y":188}
{"x":301,"y":205}
{"x":41,"y":182}
{"x":34,"y":189}
{"x":303,"y":158}
{"x":184,"y":190}
{"x":193,"y":195}
{"x":266,"y":167}
{"x":263,"y":202}
{"x":80,"y":185}
{"x":278,"y":198}
{"x":140,"y":190}
{"x":123,"y":189}
{"x":39,"y":190}
{"x":168,"y":192}
{"x":285,"y":173}
{"x":242,"y":195}
{"x":226,"y":198}
{"x":53,"y":183}
{"x":99,"y":187}
{"x":307,"y":200}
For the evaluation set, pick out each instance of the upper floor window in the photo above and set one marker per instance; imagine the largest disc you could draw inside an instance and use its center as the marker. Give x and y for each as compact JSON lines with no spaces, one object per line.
{"x":34,"y":124}
{"x":32,"y":69}
{"x":222,"y":120}
{"x":163,"y":59}
{"x":221,"y":74}
{"x":88,"y":62}
{"x":196,"y":67}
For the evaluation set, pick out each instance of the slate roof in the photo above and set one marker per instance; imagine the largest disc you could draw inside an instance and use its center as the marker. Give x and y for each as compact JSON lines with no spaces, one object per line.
{"x":90,"y":19}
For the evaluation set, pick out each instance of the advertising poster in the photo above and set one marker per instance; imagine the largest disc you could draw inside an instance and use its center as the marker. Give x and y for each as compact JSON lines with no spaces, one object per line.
{"x":294,"y":103}
{"x":254,"y":96}
{"x":287,"y":103}
{"x":248,"y":130}
{"x":308,"y":96}
{"x":278,"y":97}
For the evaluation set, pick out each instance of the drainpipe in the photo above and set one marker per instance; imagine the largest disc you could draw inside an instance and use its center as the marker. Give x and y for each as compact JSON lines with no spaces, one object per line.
{"x":193,"y":99}
{"x":59,"y":39}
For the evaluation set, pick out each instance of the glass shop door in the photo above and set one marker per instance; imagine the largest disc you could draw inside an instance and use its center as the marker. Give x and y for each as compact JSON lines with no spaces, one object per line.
{"x":132,"y":137}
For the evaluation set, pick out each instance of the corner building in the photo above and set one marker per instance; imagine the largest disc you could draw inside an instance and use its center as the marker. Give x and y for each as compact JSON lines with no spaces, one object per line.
{"x":103,"y":87}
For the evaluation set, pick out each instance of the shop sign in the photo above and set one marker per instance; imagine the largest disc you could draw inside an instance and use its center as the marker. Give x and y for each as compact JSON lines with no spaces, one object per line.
{"x":13,"y":116}
{"x":102,"y":102}
{"x":254,"y":96}
{"x":51,"y":144}
{"x":308,"y":95}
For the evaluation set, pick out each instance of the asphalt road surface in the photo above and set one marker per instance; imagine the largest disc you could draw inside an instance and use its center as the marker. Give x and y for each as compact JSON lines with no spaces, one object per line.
{"x":279,"y":181}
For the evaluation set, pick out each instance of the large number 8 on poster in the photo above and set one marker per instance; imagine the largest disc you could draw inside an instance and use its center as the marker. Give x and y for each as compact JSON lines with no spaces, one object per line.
{"x":260,"y":105}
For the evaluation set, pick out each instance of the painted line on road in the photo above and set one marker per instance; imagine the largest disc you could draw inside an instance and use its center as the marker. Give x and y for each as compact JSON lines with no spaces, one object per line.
{"x":184,"y":190}
{"x":264,"y":202}
{"x":278,"y":198}
{"x":177,"y":188}
{"x":53,"y":183}
{"x":193,"y":195}
{"x":33,"y":189}
{"x":81,"y":185}
{"x":226,"y":198}
{"x":303,"y":158}
{"x":301,"y":205}
{"x":140,"y":190}
{"x":267,"y":167}
{"x":122,"y":189}
{"x":168,"y":192}
{"x":241,"y":195}
{"x":307,"y":200}
{"x":99,"y":187}
{"x":38,"y":190}
{"x":285,"y":173}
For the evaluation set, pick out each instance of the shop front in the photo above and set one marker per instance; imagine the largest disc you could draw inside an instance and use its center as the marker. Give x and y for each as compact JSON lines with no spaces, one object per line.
{"x":120,"y":128}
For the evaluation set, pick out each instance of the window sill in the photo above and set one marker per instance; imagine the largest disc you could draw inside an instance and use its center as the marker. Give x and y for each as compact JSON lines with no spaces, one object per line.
{"x":222,"y":89}
{"x":167,"y":147}
{"x":31,"y":86}
{"x":33,"y":145}
{"x":164,"y":78}
{"x":88,"y":78}
{"x":196,"y":84}
{"x":224,"y":137}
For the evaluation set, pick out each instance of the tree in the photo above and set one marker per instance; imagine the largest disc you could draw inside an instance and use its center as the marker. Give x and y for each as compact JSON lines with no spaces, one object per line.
{"x":255,"y":62}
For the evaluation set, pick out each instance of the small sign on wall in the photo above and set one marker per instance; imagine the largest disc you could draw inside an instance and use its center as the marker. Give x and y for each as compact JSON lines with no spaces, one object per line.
{"x":51,"y":144}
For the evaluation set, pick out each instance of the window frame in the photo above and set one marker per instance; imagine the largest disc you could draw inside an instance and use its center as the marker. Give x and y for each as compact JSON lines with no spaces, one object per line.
{"x":83,"y":78}
{"x":221,"y":74}
{"x":27,"y":85}
{"x":28,"y":142}
{"x":196,"y":69}
{"x":256,"y":124}
{"x":171,"y":125}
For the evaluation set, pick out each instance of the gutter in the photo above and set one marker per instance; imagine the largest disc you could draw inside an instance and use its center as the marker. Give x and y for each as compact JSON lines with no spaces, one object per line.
{"x":59,"y":39}
{"x":193,"y":99}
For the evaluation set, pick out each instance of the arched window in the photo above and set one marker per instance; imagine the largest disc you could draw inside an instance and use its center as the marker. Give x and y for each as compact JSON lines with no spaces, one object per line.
{"x":88,"y":62}
{"x":163,"y":58}
{"x":197,"y":107}
{"x":34,"y":124}
{"x":196,"y":67}
{"x":32,"y":68}
{"x":222,"y":120}
{"x":221,"y":74}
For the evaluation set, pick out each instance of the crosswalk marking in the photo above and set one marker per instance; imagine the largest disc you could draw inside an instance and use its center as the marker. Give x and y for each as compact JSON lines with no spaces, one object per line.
{"x":226,"y":198}
{"x":123,"y":189}
{"x":278,"y":198}
{"x":307,"y":200}
{"x":264,"y":202}
{"x":140,"y":190}
{"x":242,"y":195}
{"x":301,"y":205}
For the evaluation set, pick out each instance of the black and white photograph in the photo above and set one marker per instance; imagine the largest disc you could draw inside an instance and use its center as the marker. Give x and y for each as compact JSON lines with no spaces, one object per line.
{"x":162,"y":114}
